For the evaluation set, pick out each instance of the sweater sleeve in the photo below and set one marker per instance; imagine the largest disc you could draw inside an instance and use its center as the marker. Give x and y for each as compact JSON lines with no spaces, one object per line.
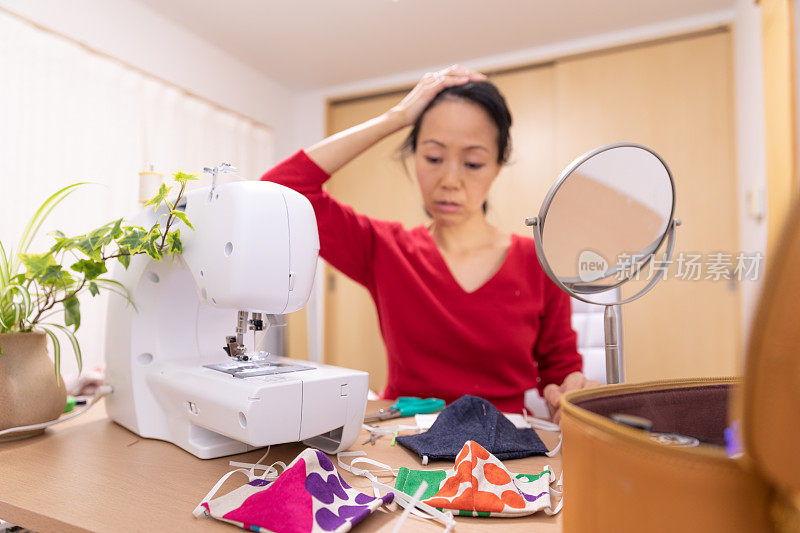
{"x":346,"y":238}
{"x":556,"y":350}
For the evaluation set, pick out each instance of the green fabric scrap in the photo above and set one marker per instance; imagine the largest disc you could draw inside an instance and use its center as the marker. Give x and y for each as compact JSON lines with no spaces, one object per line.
{"x":409,"y":481}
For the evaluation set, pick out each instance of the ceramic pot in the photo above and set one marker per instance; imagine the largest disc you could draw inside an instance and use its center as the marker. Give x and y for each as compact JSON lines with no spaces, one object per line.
{"x":29,"y":392}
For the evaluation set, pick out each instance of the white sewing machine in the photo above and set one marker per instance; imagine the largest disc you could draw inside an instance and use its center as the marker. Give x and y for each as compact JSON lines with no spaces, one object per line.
{"x":181,"y":367}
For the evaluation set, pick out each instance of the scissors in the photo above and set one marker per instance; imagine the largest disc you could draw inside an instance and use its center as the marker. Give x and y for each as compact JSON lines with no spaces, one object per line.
{"x":407,"y":406}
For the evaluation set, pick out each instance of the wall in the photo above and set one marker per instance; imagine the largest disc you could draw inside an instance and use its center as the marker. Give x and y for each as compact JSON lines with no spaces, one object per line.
{"x":309,"y":109}
{"x":311,"y":124}
{"x":134,"y":34}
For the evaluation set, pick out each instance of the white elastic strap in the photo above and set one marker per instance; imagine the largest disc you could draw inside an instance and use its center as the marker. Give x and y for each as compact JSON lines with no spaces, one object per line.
{"x":270,"y":472}
{"x":549,"y":470}
{"x":270,"y":467}
{"x":424,"y":459}
{"x":252,"y":473}
{"x":102,"y":390}
{"x":389,"y":430}
{"x":544,"y":425}
{"x":422,"y":510}
{"x":418,"y":508}
{"x":360,"y":457}
{"x":555,"y":450}
{"x":555,"y":511}
{"x":559,"y":484}
{"x":199,"y":510}
{"x":423,"y":486}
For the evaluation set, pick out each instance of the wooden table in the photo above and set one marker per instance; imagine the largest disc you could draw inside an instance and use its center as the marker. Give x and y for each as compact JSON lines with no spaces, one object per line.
{"x":90,"y":474}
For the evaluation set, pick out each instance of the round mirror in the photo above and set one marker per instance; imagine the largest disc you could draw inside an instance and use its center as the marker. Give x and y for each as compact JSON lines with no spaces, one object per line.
{"x":604,"y":218}
{"x":602,"y":221}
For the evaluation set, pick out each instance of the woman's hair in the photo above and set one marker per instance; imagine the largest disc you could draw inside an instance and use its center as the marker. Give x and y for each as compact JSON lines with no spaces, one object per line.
{"x":482,"y":93}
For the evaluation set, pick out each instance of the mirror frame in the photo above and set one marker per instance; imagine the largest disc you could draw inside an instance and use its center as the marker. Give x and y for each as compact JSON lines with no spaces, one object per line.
{"x":538,"y":223}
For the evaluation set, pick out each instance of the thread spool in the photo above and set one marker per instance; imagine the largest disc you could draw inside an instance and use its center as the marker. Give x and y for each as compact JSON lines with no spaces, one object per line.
{"x":149,"y":181}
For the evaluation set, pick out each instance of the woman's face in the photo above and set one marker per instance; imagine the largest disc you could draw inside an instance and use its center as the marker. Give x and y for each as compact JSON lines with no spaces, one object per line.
{"x":456,"y":160}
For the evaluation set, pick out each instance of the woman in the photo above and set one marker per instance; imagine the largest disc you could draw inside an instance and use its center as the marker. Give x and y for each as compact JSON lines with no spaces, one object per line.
{"x":464,"y":308}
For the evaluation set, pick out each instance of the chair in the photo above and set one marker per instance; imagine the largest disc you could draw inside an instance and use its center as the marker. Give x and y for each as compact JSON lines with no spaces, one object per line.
{"x":587,"y":321}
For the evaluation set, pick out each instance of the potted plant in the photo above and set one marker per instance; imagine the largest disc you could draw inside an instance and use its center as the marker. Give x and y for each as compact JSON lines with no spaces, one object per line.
{"x":36,"y":290}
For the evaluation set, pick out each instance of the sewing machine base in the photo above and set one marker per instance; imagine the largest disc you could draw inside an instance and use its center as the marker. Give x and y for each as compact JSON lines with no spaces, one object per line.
{"x":211,"y":413}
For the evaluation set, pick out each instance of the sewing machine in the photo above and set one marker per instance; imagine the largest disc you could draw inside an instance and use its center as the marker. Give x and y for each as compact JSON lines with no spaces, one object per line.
{"x":183,"y":365}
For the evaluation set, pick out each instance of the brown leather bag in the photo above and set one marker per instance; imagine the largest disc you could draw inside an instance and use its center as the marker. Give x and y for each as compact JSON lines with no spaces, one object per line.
{"x":617,"y":478}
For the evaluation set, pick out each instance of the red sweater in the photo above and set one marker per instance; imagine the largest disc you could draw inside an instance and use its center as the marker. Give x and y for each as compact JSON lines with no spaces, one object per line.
{"x":511,"y":334}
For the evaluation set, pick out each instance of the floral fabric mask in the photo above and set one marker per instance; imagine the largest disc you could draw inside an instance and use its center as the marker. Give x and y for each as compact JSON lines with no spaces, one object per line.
{"x":308,"y":497}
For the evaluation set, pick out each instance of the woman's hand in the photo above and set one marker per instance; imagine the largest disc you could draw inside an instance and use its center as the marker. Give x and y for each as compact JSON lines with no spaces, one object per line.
{"x":553,"y":393}
{"x":415,"y":102}
{"x":334,"y":152}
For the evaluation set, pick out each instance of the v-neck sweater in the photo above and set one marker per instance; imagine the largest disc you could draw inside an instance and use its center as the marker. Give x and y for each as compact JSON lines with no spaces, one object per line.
{"x":511,"y":334}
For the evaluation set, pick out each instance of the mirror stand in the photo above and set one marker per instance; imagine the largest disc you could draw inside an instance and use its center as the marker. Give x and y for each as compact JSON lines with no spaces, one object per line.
{"x":615,"y":361}
{"x":615,"y":367}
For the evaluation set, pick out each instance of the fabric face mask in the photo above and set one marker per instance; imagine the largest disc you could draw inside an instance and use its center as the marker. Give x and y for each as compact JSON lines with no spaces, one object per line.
{"x":308,"y":497}
{"x":473,"y":419}
{"x":480,"y":485}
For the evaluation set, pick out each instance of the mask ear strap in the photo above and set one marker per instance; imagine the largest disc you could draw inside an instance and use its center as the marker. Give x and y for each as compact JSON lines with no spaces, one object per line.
{"x":540,"y":423}
{"x":419,"y":508}
{"x":199,"y":510}
{"x":555,"y":511}
{"x":269,"y":471}
{"x":360,"y":457}
{"x":555,"y":450}
{"x":560,"y":485}
{"x":416,"y":507}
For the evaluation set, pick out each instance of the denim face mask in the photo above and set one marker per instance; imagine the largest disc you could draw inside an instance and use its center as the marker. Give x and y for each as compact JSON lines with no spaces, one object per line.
{"x":308,"y":497}
{"x":480,"y":485}
{"x":473,"y":419}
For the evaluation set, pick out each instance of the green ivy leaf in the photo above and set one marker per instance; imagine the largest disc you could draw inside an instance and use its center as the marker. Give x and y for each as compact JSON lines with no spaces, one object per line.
{"x":133,"y":240}
{"x":116,"y":229}
{"x":101,"y":236}
{"x":151,"y":248}
{"x":160,"y":196}
{"x":183,"y":177}
{"x":90,"y":269}
{"x":155,"y":232}
{"x":125,"y":259}
{"x":54,"y":275}
{"x":36,"y":264}
{"x":174,"y":244}
{"x":62,"y":243}
{"x":72,"y":312}
{"x":93,"y":290}
{"x":180,"y":215}
{"x":92,"y":244}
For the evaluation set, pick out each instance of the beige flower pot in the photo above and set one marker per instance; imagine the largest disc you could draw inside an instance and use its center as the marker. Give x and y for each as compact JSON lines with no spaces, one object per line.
{"x":29,"y":392}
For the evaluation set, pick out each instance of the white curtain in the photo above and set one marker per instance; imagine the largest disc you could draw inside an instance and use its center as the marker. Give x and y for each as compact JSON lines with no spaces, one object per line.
{"x":68,"y":114}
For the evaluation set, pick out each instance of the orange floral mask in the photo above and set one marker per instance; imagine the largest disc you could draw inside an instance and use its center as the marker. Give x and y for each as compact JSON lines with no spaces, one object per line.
{"x":480,"y":485}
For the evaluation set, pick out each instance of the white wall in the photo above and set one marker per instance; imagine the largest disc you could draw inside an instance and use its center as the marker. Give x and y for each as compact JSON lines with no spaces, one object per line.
{"x":136,"y":35}
{"x":309,"y":107}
